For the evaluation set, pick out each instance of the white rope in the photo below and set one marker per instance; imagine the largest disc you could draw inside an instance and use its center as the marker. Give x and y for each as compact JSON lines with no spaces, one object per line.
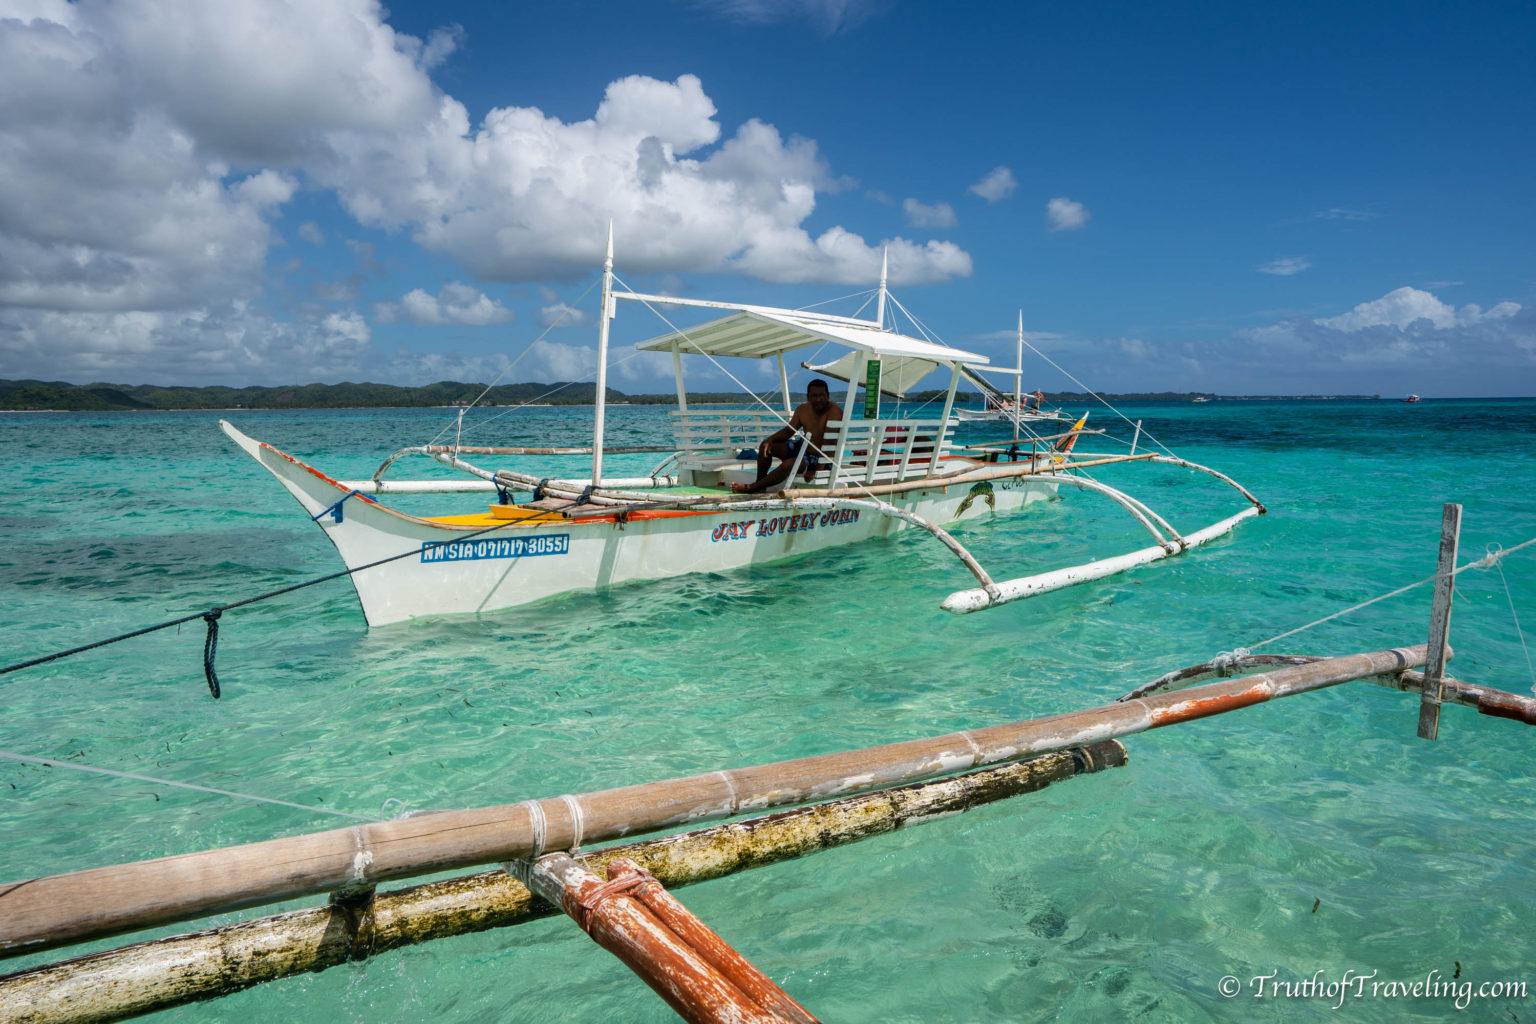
{"x":971,"y":742}
{"x":577,"y":822}
{"x":563,"y":313}
{"x":537,"y":824}
{"x":179,"y":785}
{"x":735,"y":800}
{"x":868,"y":295}
{"x":1225,"y":662}
{"x":1488,"y":561}
{"x":1497,"y":552}
{"x":583,"y":379}
{"x":1102,"y":400}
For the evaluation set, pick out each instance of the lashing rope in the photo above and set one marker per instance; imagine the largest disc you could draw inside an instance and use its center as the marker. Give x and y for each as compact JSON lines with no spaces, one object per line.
{"x":587,"y":906}
{"x":1228,"y":662}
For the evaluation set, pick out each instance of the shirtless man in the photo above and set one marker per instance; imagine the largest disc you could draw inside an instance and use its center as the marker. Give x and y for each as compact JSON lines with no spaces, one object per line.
{"x":812,"y":417}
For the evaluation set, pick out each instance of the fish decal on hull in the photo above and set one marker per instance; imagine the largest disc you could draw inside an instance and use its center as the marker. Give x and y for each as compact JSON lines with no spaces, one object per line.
{"x":981,"y":490}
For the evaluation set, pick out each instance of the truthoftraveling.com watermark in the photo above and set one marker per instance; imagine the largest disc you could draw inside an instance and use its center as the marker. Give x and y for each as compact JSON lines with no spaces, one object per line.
{"x":1355,"y":985}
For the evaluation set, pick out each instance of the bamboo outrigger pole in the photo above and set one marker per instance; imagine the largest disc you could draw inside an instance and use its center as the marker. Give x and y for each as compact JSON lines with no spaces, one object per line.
{"x":150,"y":976}
{"x":58,"y":910}
{"x":676,"y":954}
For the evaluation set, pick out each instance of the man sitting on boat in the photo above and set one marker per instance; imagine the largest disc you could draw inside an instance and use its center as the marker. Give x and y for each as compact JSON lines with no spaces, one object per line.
{"x":784,"y":444}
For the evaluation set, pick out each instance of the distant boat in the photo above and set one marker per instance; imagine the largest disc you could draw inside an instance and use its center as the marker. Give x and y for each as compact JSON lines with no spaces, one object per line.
{"x":1003,"y":412}
{"x":1200,"y":398}
{"x":1411,"y":398}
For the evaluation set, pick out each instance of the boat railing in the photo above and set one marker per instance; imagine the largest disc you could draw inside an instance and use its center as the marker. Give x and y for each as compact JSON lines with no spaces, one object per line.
{"x":879,"y":451}
{"x":722,"y":434}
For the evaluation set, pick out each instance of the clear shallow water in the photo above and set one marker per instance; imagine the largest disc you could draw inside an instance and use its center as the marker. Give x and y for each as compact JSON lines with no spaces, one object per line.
{"x":1126,"y":894}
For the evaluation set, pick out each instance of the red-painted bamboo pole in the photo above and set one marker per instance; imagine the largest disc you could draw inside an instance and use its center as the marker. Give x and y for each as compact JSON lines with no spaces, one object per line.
{"x":624,"y":926}
{"x":734,"y":967}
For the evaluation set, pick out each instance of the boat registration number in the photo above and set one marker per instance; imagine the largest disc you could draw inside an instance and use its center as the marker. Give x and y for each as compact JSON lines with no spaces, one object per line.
{"x":498,"y":547}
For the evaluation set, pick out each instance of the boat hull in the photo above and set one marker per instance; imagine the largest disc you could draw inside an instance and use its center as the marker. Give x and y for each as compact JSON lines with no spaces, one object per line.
{"x":1000,"y":416}
{"x":428,"y":567}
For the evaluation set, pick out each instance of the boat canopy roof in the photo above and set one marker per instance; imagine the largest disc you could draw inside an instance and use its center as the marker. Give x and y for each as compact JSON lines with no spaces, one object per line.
{"x":898,"y":374}
{"x":760,"y":333}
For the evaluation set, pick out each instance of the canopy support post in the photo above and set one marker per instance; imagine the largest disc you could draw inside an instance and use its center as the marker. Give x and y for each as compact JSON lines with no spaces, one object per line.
{"x":949,"y":404}
{"x":784,"y":386}
{"x":677,"y":370}
{"x":836,"y":472}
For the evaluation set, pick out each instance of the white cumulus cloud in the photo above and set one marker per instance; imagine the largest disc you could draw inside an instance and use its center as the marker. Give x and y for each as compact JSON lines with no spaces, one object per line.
{"x":230,"y":342}
{"x":940,"y":215}
{"x":456,"y":304}
{"x":1063,"y":214}
{"x":148,"y":146}
{"x":558,"y":314}
{"x":1285,"y":266}
{"x":827,"y":16}
{"x":528,"y":197}
{"x":998,"y":184}
{"x":1406,"y":307}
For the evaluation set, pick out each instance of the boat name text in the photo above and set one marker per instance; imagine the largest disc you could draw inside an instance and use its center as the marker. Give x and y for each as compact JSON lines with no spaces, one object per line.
{"x":772,"y":525}
{"x":500,"y":547}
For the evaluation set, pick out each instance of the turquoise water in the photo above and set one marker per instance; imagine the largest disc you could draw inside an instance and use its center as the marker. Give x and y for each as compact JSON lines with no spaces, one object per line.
{"x":1128,"y":894}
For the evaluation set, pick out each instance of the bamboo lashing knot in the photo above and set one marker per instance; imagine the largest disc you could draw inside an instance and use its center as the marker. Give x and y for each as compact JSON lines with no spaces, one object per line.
{"x":971,"y":742}
{"x":735,"y":804}
{"x":574,"y":806}
{"x":1492,"y":555}
{"x":1228,"y":662}
{"x":536,"y":824}
{"x":361,"y":861}
{"x":584,"y":909}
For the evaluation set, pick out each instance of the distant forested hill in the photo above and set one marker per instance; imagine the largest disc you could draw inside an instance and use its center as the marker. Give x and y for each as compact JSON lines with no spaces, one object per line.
{"x":27,"y":395}
{"x":36,"y":394}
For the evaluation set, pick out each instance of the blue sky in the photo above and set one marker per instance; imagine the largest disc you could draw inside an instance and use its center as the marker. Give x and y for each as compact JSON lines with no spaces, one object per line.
{"x":1244,"y":199}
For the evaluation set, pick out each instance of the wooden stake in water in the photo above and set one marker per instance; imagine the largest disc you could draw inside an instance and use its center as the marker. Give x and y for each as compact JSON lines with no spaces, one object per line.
{"x":1440,"y":623}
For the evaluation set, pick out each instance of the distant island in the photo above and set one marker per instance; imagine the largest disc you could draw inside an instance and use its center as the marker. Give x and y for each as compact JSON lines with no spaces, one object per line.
{"x":59,"y":396}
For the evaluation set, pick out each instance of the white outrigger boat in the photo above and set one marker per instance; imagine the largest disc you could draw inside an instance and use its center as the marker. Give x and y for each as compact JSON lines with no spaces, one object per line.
{"x":878,"y":475}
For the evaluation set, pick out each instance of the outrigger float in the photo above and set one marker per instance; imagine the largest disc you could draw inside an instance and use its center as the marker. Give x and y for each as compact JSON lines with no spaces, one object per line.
{"x":878,"y":475}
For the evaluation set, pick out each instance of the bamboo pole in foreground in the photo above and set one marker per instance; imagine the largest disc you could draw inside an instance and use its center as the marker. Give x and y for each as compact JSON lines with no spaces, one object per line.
{"x":1487,"y":700}
{"x":58,"y":910}
{"x":121,"y":983}
{"x":719,"y":954}
{"x":665,"y":958}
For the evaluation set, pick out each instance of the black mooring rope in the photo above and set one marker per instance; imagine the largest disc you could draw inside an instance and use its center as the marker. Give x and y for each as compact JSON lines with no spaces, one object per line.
{"x":211,"y":616}
{"x":211,"y":648}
